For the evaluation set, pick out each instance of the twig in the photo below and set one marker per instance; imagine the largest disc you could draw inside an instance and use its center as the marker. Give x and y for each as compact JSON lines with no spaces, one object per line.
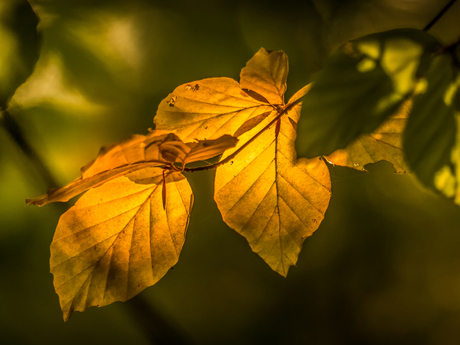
{"x":439,"y":15}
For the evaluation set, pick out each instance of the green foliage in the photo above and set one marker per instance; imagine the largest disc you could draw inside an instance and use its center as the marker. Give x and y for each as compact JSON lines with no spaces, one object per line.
{"x":362,"y":84}
{"x":431,"y":135}
{"x":368,"y":80}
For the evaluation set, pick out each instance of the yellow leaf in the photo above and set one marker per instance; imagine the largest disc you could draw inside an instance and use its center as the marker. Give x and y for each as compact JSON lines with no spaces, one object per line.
{"x":210,"y":108}
{"x":117,"y":239}
{"x":274,"y":200}
{"x":266,"y":74}
{"x":385,"y":143}
{"x":205,"y":149}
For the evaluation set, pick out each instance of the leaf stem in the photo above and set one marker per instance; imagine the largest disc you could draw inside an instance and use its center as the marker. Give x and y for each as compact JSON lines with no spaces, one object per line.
{"x":439,"y":15}
{"x":233,"y":155}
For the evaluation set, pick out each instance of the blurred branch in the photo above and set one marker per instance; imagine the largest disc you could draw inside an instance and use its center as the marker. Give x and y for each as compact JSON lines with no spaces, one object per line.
{"x":156,"y":327}
{"x":17,"y":134}
{"x":439,"y":15}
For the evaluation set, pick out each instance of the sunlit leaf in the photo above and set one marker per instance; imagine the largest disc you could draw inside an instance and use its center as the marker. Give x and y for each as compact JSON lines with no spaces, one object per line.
{"x":384,"y":144}
{"x":431,"y":139}
{"x":210,"y":108}
{"x":20,"y":46}
{"x":365,"y":82}
{"x":274,"y":200}
{"x":158,"y":148}
{"x":117,"y":240}
{"x":266,"y":74}
{"x":216,"y":106}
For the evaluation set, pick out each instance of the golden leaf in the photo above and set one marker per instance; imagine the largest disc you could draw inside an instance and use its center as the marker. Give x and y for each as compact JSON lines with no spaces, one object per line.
{"x":265,"y":193}
{"x":117,"y":239}
{"x":210,"y":108}
{"x":266,"y":74}
{"x":274,"y":200}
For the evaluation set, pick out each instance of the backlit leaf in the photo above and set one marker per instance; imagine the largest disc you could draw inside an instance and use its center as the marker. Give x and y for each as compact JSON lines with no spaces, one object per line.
{"x":365,"y":82}
{"x":117,"y":240}
{"x":269,"y":196}
{"x":266,"y":74}
{"x":210,"y":108}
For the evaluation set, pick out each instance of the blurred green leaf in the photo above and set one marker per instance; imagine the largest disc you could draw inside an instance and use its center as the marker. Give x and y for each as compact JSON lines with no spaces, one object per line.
{"x":366,"y":81}
{"x":20,"y":47}
{"x":431,"y":140}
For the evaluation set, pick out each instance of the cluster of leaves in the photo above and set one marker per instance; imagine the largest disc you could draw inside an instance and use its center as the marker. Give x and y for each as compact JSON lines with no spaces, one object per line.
{"x":129,"y":227}
{"x":127,"y":231}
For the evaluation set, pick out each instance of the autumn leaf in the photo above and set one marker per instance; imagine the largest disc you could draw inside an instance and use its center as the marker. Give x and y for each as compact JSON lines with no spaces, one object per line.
{"x":128,"y":230}
{"x":117,"y":239}
{"x":210,"y":108}
{"x":274,"y":200}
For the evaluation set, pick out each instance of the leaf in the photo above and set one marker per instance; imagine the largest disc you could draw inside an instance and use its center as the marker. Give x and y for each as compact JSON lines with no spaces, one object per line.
{"x":274,"y":200}
{"x":117,"y":240}
{"x":266,"y":74}
{"x":20,"y":47}
{"x":431,"y":139}
{"x":364,"y":83}
{"x":158,"y":148}
{"x":205,"y":149}
{"x":209,"y":108}
{"x":384,"y":144}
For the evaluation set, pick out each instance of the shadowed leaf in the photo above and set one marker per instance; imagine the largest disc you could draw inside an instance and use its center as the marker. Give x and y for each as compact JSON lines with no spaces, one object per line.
{"x":431,"y":139}
{"x":384,"y":144}
{"x":365,"y":82}
{"x":117,"y":240}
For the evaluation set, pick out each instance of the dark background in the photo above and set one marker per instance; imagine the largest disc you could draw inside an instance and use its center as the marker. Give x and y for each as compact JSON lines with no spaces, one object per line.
{"x":383,"y":267}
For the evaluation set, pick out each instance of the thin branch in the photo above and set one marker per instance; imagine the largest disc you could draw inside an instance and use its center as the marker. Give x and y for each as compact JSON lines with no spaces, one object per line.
{"x":17,"y":135}
{"x":157,"y":328}
{"x":439,"y":15}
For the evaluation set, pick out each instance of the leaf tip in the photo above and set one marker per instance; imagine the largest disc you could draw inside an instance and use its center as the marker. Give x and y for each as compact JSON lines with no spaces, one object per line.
{"x":39,"y":201}
{"x":67,"y":314}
